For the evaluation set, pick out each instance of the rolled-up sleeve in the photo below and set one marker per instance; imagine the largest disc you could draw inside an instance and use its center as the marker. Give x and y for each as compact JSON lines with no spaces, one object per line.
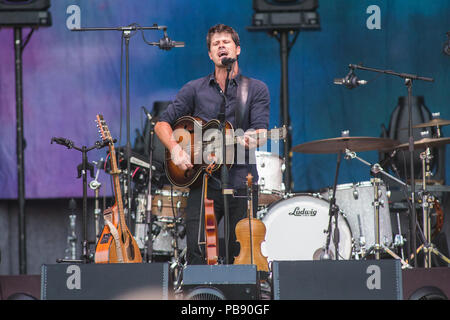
{"x":259,"y":106}
{"x":182,"y":105}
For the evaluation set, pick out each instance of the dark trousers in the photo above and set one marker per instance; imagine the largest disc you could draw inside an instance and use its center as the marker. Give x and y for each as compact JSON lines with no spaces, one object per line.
{"x":237,"y":211}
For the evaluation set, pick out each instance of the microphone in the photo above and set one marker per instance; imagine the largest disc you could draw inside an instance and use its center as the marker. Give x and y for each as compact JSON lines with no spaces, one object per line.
{"x":228,"y":61}
{"x":167,"y":44}
{"x":63,"y":141}
{"x":148,"y":114}
{"x":350,"y":81}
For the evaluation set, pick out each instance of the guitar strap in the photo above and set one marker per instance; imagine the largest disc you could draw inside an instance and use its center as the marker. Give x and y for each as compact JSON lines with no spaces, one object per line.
{"x":241,"y":111}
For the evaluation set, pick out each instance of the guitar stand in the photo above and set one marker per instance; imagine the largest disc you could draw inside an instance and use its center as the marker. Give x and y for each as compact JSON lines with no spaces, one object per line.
{"x":378,"y":247}
{"x":82,"y":172}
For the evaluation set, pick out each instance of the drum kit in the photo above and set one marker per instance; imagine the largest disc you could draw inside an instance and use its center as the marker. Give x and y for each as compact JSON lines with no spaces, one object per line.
{"x":343,"y":222}
{"x":299,"y":226}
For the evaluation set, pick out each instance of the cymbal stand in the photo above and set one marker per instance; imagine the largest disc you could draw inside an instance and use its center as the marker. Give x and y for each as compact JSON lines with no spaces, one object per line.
{"x":333,"y":212}
{"x":427,"y":204}
{"x":378,"y":247}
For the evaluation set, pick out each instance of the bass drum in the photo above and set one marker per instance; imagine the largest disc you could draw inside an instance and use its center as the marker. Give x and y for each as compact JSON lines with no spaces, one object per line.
{"x":296,"y":229}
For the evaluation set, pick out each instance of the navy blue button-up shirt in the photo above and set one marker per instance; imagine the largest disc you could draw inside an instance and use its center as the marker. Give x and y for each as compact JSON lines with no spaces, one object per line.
{"x":202,"y":98}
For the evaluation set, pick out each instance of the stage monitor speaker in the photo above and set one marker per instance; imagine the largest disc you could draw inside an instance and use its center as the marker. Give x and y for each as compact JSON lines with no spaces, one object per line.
{"x":220,"y":282}
{"x":20,"y":287}
{"x":337,"y":280}
{"x":117,"y":281}
{"x":426,"y":283}
{"x":19,"y":5}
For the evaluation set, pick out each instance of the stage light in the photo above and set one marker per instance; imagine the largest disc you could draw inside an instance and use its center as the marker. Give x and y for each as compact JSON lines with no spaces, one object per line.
{"x":285,"y":5}
{"x":24,"y":5}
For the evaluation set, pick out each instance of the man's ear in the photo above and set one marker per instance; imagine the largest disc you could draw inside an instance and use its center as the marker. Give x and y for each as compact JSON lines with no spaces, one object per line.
{"x":238,"y":50}
{"x":209,"y":54}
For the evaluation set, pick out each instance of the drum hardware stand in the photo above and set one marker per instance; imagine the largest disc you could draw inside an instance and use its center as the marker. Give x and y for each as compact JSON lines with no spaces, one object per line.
{"x":85,"y":166}
{"x":427,"y":203}
{"x":408,"y":81}
{"x":399,"y":240}
{"x":362,"y":239}
{"x":95,"y":185}
{"x":377,"y":247}
{"x":333,"y":212}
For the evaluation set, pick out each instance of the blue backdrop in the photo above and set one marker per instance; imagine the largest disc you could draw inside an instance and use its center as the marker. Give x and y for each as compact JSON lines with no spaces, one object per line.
{"x":69,"y":77}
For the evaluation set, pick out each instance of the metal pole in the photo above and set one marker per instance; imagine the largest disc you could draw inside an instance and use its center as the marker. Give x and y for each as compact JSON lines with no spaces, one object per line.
{"x":20,"y":149}
{"x":413,"y":223}
{"x":128,"y":145}
{"x":284,"y":107}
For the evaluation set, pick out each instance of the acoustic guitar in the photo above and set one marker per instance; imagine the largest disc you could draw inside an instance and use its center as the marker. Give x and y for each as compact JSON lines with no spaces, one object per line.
{"x":116,"y":243}
{"x":198,"y":137}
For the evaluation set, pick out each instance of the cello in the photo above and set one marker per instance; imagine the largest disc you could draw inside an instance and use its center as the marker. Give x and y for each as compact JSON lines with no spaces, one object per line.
{"x":250,"y":233}
{"x":211,"y":236}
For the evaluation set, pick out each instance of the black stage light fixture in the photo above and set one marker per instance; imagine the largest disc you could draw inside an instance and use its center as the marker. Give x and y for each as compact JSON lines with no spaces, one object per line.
{"x":285,"y":14}
{"x":19,"y":14}
{"x":285,"y":5}
{"x":9,"y":5}
{"x":25,"y":13}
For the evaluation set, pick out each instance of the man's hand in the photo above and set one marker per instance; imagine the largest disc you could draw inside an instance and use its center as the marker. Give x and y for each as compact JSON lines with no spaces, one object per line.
{"x":250,"y":139}
{"x":180,"y":158}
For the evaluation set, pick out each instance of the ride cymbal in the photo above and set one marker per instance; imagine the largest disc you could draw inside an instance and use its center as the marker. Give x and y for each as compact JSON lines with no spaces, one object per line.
{"x":357,"y":144}
{"x":425,"y":142}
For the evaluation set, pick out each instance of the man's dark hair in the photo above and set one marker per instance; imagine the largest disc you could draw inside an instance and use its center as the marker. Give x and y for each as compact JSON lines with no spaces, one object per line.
{"x":219,"y":28}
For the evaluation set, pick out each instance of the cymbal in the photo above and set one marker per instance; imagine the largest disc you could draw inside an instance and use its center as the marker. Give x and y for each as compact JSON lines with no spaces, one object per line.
{"x":425,"y":142}
{"x":334,"y":145}
{"x":433,"y":123}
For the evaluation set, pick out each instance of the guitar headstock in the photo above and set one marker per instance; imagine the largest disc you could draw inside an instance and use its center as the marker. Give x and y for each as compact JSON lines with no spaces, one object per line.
{"x":103,"y":129}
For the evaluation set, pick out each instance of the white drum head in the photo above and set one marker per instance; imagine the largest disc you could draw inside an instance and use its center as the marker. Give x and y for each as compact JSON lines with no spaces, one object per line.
{"x":296,"y":230}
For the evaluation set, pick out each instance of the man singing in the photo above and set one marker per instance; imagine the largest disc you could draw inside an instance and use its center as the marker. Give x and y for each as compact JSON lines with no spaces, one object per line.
{"x":247,"y":108}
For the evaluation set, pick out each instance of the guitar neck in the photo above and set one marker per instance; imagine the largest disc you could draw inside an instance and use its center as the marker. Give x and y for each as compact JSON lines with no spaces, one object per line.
{"x":117,"y":192}
{"x":274,"y":134}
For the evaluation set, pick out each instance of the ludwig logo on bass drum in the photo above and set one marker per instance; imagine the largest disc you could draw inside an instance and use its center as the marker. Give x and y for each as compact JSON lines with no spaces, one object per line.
{"x":303,"y":212}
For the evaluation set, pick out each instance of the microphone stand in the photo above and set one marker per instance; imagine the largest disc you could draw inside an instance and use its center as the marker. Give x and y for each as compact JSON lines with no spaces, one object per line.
{"x":408,"y":80}
{"x":148,"y":210}
{"x":82,"y":172}
{"x":164,"y":44}
{"x":224,"y":168}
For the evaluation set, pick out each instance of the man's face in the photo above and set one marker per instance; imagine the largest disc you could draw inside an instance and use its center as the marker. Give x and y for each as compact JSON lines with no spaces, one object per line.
{"x":222,"y":45}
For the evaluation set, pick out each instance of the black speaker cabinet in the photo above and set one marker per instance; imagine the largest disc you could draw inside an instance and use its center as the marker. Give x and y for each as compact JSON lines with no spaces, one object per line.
{"x":426,"y":283}
{"x":220,"y":282}
{"x":20,"y":287}
{"x":118,"y":281}
{"x":337,"y":280}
